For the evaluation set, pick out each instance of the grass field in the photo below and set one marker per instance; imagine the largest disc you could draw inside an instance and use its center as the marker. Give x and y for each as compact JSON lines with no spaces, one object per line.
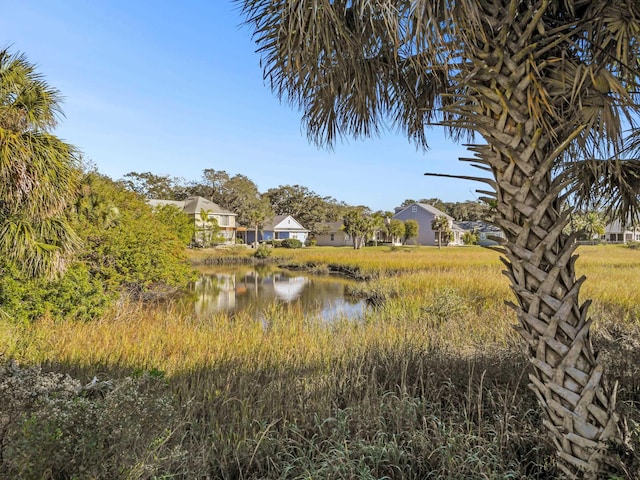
{"x":431,"y":384}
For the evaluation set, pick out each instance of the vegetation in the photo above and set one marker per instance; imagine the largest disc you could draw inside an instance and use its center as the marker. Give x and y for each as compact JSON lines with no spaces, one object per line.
{"x":38,"y":172}
{"x":180,"y":224}
{"x":470,"y":238}
{"x":440,"y":225}
{"x":359,"y":226}
{"x":411,"y":229}
{"x":291,"y":243}
{"x":306,"y":206}
{"x":545,"y":84}
{"x":430,"y":384}
{"x":125,"y":250}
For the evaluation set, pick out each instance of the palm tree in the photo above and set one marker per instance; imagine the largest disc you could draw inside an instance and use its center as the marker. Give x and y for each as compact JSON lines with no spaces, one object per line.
{"x":543,"y":83}
{"x":38,"y":172}
{"x":440,"y":224}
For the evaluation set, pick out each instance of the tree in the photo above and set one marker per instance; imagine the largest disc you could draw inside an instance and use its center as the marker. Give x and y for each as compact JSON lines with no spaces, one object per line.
{"x":396,"y":230}
{"x":207,"y":231}
{"x":470,"y":238}
{"x":440,"y":225}
{"x":545,"y":83}
{"x":240,"y":195}
{"x":357,"y":224}
{"x":150,"y":185}
{"x":411,"y":227}
{"x":38,"y":172}
{"x":211,"y":185}
{"x":177,"y":221}
{"x":588,"y":225}
{"x":306,"y":206}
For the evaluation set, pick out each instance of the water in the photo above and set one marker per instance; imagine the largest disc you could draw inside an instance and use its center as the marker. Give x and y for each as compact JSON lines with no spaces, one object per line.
{"x":240,"y":289}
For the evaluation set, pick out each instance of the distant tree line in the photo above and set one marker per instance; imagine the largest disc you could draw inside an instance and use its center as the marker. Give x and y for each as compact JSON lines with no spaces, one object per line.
{"x":240,"y":194}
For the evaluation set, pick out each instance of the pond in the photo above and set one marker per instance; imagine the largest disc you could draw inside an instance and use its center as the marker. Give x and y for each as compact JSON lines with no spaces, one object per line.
{"x":237,"y":289}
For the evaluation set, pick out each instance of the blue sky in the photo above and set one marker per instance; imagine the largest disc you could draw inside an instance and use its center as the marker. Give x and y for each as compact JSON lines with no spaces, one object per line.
{"x":176,"y":87}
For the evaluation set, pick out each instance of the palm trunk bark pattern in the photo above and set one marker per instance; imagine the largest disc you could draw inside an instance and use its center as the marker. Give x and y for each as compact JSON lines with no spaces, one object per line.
{"x":567,"y":376}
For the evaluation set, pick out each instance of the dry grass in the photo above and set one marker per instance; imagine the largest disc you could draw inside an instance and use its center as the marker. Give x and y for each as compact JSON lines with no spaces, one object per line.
{"x":430,"y":384}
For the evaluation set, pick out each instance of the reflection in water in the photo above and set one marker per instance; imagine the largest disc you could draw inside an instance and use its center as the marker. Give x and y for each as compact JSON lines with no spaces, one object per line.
{"x":242,"y":289}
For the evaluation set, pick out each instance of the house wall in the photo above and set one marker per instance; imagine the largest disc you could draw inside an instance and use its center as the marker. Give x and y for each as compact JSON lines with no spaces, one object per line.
{"x":616,"y":233}
{"x":426,"y":236}
{"x":335,"y":239}
{"x":265,"y":235}
{"x":227,"y":224}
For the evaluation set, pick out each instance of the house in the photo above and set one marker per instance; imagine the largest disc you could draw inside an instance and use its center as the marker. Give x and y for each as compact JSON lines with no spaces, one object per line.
{"x":202,"y":211}
{"x":487,"y":233}
{"x":616,"y":232}
{"x":424,"y":214}
{"x":331,"y":234}
{"x":279,"y":227}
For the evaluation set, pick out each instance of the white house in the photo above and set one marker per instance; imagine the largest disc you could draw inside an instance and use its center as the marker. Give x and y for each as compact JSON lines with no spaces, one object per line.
{"x":279,"y":227}
{"x":616,"y":232}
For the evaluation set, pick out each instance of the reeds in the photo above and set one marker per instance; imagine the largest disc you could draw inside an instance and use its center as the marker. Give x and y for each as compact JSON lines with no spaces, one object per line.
{"x":431,"y":383}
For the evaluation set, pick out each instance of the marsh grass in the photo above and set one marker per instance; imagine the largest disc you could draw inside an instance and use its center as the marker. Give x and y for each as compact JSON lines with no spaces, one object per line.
{"x":431,"y":383}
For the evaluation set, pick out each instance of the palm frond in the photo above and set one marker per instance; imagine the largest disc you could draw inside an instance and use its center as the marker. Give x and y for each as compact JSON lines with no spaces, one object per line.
{"x":611,"y":186}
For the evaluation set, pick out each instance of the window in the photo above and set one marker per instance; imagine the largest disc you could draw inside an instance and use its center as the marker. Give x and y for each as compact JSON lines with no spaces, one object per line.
{"x":332,"y":237}
{"x":223,"y":220}
{"x":414,"y":209}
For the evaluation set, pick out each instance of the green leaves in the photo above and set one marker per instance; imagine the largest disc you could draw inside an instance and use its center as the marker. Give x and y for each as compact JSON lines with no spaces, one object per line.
{"x":38,"y":172}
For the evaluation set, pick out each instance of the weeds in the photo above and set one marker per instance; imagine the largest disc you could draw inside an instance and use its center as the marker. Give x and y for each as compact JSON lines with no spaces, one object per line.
{"x":432,"y":383}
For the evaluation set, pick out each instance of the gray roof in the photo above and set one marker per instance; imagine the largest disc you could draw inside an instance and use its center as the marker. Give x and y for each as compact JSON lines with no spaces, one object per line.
{"x":193,"y":205}
{"x":478,"y":226}
{"x":429,"y":208}
{"x":270,"y":224}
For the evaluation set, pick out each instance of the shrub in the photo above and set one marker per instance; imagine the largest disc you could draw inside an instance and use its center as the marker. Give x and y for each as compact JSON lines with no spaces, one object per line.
{"x":469,"y":238}
{"x":291,"y":243}
{"x":311,"y":242}
{"x":53,"y":427}
{"x":262,"y":251}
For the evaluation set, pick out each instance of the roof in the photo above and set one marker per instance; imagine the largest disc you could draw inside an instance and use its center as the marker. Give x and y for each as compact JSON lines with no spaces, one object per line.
{"x":429,"y":208}
{"x":162,"y":203}
{"x":272,"y":223}
{"x":193,"y":205}
{"x":329,"y":226}
{"x":478,"y":226}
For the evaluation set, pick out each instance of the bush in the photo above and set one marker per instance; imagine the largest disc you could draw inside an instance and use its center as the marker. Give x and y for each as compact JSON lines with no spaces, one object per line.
{"x":53,"y":427}
{"x":262,"y":251}
{"x":291,"y":243}
{"x":311,"y":242}
{"x":469,"y":238}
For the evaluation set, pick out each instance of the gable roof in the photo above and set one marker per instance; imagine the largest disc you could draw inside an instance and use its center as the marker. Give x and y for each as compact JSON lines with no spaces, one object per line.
{"x":193,"y":205}
{"x":196,"y":204}
{"x":274,"y":224}
{"x":428,"y":208}
{"x":478,"y":226}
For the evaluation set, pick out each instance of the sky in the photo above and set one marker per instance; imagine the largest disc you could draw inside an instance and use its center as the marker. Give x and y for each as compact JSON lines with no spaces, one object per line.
{"x":174,"y":88}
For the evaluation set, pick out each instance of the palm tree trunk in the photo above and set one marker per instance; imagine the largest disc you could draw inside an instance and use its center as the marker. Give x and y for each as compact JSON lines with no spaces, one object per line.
{"x":567,"y":375}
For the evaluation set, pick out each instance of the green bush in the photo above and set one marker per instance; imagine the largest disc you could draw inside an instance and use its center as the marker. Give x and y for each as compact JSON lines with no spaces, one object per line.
{"x":126,"y":246}
{"x":291,"y":243}
{"x":263,"y":251}
{"x":76,"y":295}
{"x":469,"y":238}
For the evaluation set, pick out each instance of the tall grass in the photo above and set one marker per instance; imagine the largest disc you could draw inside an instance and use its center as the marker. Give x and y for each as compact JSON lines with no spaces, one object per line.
{"x":431,"y":383}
